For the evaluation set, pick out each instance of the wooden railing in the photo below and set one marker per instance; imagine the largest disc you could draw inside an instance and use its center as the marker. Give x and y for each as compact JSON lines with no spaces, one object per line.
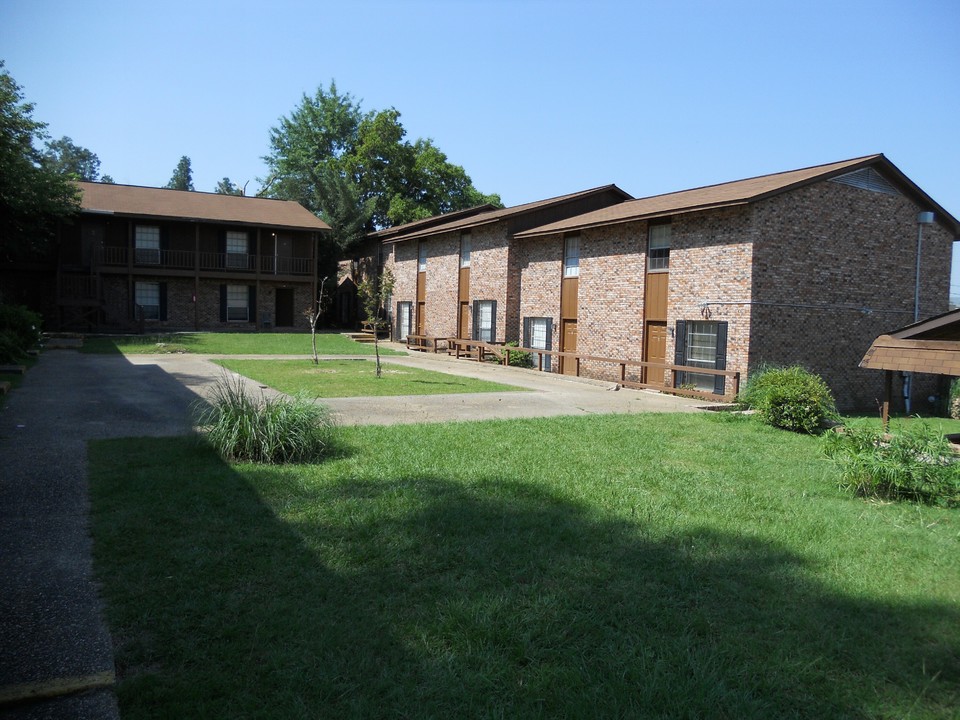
{"x":480,"y":351}
{"x":209,"y":261}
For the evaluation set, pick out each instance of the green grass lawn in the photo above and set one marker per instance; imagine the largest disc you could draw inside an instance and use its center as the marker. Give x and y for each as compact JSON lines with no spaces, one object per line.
{"x":657,"y":566}
{"x":356,"y":378}
{"x":231,"y":344}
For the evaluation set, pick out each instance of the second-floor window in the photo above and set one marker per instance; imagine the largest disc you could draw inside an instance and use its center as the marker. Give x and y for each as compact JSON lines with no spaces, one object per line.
{"x":571,"y":256}
{"x":422,"y":258}
{"x":658,"y":248}
{"x":237,"y":250}
{"x":465,"y":250}
{"x":147,"y":244}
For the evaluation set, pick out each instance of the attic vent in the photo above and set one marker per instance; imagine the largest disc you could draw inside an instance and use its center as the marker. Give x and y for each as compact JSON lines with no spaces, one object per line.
{"x":867,"y":179}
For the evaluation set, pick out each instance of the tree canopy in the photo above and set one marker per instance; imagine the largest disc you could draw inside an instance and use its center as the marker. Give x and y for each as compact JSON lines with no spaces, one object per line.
{"x":228,"y":187}
{"x":33,"y":198}
{"x":182,"y":178}
{"x":64,"y":157}
{"x":356,"y":169}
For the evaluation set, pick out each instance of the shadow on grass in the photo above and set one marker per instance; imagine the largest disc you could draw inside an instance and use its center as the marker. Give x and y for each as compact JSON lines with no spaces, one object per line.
{"x":427,"y":597}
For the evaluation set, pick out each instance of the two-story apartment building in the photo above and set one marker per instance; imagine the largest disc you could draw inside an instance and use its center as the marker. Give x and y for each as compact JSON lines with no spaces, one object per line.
{"x":140,"y":257}
{"x":806,"y":266}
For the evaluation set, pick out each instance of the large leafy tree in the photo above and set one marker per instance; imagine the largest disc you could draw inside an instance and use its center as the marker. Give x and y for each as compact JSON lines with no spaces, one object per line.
{"x":63,"y":156}
{"x":228,"y":187}
{"x":182,"y":178}
{"x":33,"y":198}
{"x":356,"y":169}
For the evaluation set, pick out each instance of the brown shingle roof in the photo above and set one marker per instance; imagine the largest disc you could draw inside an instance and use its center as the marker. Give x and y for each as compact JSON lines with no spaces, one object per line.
{"x":430,"y":221}
{"x":740,"y":192}
{"x":938,"y":357}
{"x":499,"y":214}
{"x":928,"y":346}
{"x":149,"y":202}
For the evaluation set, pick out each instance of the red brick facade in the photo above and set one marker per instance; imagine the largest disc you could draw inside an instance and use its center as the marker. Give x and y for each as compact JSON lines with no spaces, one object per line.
{"x":810,"y":275}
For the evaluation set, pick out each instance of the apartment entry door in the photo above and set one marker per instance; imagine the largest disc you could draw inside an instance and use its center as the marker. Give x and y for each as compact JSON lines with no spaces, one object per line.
{"x":655,"y":351}
{"x":284,"y":307}
{"x":568,"y":366}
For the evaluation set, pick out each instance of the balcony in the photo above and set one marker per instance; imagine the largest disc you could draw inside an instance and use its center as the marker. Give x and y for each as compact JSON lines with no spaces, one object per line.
{"x":241,"y":263}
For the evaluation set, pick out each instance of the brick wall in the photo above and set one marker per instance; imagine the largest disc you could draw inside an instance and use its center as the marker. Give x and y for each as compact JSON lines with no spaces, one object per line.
{"x":183,"y":315}
{"x":443,"y":266}
{"x":851,"y":253}
{"x":489,"y":262}
{"x":539,"y":264}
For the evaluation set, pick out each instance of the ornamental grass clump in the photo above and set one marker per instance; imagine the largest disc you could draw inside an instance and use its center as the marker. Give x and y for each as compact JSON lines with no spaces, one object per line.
{"x":916,"y":463}
{"x":792,"y":398}
{"x":265,"y":430}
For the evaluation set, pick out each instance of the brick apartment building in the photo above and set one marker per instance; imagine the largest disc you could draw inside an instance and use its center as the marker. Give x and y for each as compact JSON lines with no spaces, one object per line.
{"x":150,"y":258}
{"x":806,"y":266}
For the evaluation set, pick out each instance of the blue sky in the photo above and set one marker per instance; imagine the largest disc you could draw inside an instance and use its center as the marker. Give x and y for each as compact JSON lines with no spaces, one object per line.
{"x":533,"y":98}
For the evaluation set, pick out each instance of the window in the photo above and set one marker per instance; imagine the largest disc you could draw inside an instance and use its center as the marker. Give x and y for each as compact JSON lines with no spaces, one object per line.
{"x":536,"y":334}
{"x":465,"y":250}
{"x":404,"y":319}
{"x":701,"y":344}
{"x":238,"y":303}
{"x":422,"y":258}
{"x":571,"y":256}
{"x":147,"y":244}
{"x":236,"y":245}
{"x":658,"y":248}
{"x":148,"y":298}
{"x":485,"y":320}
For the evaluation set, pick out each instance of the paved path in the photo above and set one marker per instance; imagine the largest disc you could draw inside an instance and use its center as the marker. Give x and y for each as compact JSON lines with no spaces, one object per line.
{"x":53,"y":642}
{"x":538,"y":394}
{"x":56,"y":659}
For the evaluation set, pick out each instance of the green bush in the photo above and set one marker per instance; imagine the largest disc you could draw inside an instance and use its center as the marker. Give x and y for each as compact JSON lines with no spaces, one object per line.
{"x":246,"y":429}
{"x":519,"y":359}
{"x":19,"y":331}
{"x":916,"y":463}
{"x":791,"y":398}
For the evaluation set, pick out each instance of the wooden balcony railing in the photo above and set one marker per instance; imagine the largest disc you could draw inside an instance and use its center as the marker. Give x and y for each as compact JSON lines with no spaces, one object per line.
{"x":206,"y":261}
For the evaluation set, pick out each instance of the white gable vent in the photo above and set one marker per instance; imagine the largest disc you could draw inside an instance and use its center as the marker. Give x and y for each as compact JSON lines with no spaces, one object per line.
{"x":867,"y":179}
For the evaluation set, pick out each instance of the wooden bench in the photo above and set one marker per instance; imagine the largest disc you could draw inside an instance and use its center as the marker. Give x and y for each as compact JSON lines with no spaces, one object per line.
{"x":428,"y":342}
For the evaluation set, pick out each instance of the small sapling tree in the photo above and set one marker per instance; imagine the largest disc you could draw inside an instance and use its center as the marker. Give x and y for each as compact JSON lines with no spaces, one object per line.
{"x":313,"y":313}
{"x":374,"y":293}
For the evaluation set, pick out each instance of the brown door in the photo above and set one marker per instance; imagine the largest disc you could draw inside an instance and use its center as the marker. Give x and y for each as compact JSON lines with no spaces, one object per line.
{"x":655,"y":351}
{"x":463,"y":328}
{"x":568,"y":366}
{"x":421,"y":318}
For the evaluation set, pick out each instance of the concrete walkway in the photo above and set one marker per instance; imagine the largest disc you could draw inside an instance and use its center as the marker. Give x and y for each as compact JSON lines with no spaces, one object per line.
{"x":56,"y":658}
{"x":538,"y":394}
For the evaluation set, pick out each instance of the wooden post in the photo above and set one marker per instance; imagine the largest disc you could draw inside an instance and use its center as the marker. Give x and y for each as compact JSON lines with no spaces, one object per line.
{"x":887,"y":395}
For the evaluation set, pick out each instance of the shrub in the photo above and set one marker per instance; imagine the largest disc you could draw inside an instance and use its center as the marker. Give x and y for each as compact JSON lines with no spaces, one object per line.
{"x":246,"y":429}
{"x":955,"y":399}
{"x":519,"y":359}
{"x":20,"y":331}
{"x":791,"y":398}
{"x":916,"y":463}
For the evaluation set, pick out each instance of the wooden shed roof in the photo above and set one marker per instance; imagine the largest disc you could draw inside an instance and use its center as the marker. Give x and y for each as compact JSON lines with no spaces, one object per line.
{"x":160,"y":203}
{"x":742,"y":192}
{"x":930,"y":346}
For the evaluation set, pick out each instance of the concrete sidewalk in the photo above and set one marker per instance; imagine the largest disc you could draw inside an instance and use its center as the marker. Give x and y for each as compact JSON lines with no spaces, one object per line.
{"x":56,"y":658}
{"x":538,"y":394}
